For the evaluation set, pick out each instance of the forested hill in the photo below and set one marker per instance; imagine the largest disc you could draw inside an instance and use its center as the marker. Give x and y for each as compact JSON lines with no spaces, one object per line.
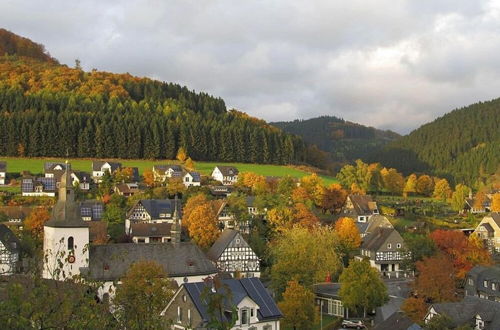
{"x":47,"y":109}
{"x":464,"y":144}
{"x":344,"y":140}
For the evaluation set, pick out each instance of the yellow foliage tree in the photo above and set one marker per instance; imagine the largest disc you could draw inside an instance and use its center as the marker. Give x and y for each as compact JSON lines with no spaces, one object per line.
{"x":202,"y":225}
{"x":190,"y":164}
{"x":149,"y":178}
{"x":495,"y":203}
{"x":281,"y":218}
{"x":192,"y":203}
{"x":411,"y":184}
{"x":311,"y":183}
{"x":348,"y":234}
{"x":442,"y":190}
{"x":182,"y":155}
{"x":298,"y":306}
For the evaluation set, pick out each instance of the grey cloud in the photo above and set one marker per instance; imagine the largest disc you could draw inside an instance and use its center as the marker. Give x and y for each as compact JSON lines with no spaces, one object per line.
{"x":391,"y":64}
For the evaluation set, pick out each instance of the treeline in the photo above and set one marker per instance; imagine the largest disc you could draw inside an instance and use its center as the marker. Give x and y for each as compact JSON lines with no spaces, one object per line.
{"x":463,"y":145}
{"x":344,"y":140}
{"x":51,"y":110}
{"x":11,"y":44}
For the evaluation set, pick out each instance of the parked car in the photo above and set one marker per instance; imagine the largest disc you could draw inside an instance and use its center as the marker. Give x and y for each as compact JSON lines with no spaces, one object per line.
{"x":353,"y":324}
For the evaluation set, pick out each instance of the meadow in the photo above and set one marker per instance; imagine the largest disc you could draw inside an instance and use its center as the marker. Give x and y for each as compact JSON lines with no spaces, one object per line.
{"x":16,"y":165}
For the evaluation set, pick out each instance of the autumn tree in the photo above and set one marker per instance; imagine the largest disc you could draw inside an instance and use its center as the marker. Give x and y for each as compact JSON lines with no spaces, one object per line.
{"x":393,"y":180}
{"x":142,"y":295}
{"x":149,"y":178}
{"x":495,"y":203}
{"x":292,"y":262}
{"x":458,"y":197}
{"x":442,"y":190}
{"x":36,"y":220}
{"x":190,"y":164}
{"x":415,"y":308}
{"x":181,"y":155}
{"x":202,"y":225}
{"x":415,"y":249}
{"x":479,"y":200}
{"x":300,"y":195}
{"x":361,"y":287}
{"x":331,"y":198}
{"x":425,"y":185}
{"x":304,"y":217}
{"x":410,"y":185}
{"x":175,"y":186}
{"x":192,"y":203}
{"x":125,"y":174}
{"x":311,"y":183}
{"x":435,"y":279}
{"x":281,"y":218}
{"x":297,"y":307}
{"x":348,"y":233}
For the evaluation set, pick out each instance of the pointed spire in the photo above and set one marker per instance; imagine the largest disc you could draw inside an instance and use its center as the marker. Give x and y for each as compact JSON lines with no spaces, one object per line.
{"x":175,"y":230}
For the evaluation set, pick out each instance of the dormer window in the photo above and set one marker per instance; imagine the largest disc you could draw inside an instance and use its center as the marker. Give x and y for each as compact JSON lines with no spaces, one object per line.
{"x":389,"y":246}
{"x":398,"y":245}
{"x":244,"y":316}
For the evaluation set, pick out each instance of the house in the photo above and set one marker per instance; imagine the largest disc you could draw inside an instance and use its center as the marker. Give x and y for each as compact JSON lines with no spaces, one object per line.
{"x":162,"y":172}
{"x":382,"y":248}
{"x":227,"y":219}
{"x":9,"y":251}
{"x":151,"y":232}
{"x":475,"y":206}
{"x":472,"y":311}
{"x":36,"y":186}
{"x":192,"y":179}
{"x":232,"y":254}
{"x":483,"y":282}
{"x":220,"y":192}
{"x":227,"y":175}
{"x":153,"y":211}
{"x":248,"y":298}
{"x":126,"y":189}
{"x":489,"y":231}
{"x":3,"y":172}
{"x":100,"y":167}
{"x":15,"y":215}
{"x":66,"y":234}
{"x":398,"y":321}
{"x":91,"y":210}
{"x":327,"y":297}
{"x":359,"y":207}
{"x":56,"y":171}
{"x":374,"y":221}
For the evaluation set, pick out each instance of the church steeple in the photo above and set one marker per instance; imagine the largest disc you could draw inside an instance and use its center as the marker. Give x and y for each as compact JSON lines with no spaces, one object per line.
{"x":175,"y":230}
{"x":66,"y":212}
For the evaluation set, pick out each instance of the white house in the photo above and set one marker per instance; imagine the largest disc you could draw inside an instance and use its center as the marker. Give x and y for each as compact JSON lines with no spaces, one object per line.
{"x":153,"y":211}
{"x":232,"y":254}
{"x":33,"y":186}
{"x":249,"y":299}
{"x":3,"y":172}
{"x":162,"y":172}
{"x":100,"y":167}
{"x":227,"y":175}
{"x":9,"y":251}
{"x":192,"y":179}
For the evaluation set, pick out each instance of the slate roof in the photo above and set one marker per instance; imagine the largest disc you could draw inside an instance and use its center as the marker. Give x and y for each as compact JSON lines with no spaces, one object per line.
{"x":145,"y":229}
{"x":195,"y":175}
{"x":97,"y":165}
{"x":156,"y":206}
{"x":327,"y":290}
{"x":484,"y":273}
{"x":363,"y":204}
{"x":228,"y":170}
{"x":397,"y":321}
{"x":240,"y":288}
{"x":488,"y":227}
{"x":3,"y":166}
{"x":127,"y":188}
{"x":496,"y":217}
{"x":16,"y":212}
{"x":375,"y":240}
{"x":465,"y":311}
{"x":110,"y":262}
{"x":221,"y":244}
{"x":8,"y":239}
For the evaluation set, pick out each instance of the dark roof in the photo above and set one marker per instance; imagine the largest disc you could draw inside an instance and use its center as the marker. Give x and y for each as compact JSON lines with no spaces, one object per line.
{"x":397,"y":321}
{"x":196,"y":176}
{"x":111,"y":261}
{"x":156,"y":206}
{"x":97,"y":164}
{"x":145,"y":229}
{"x":82,"y":176}
{"x":127,"y":188}
{"x":240,"y":288}
{"x":16,"y":212}
{"x":488,"y":227}
{"x":375,"y":240}
{"x":163,"y":168}
{"x":363,"y":204}
{"x":221,"y":244}
{"x":496,"y":217}
{"x":49,"y":166}
{"x":327,"y":290}
{"x":464,"y":312}
{"x":8,"y":239}
{"x":3,"y":166}
{"x":485,"y":273}
{"x":228,"y":170}
{"x":92,"y":208}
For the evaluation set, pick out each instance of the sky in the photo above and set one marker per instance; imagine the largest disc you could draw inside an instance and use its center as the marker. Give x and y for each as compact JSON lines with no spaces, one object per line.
{"x":388,"y":64}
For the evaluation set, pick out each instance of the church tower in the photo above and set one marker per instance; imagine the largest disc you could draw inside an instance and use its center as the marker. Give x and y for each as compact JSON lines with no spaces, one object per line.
{"x":175,"y":230}
{"x":66,"y":235}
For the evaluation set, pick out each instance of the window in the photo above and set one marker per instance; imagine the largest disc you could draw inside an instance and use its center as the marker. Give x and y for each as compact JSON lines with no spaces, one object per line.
{"x":184,"y":298}
{"x":493,"y":286}
{"x":189,"y":316}
{"x":244,"y":316}
{"x":398,"y":245}
{"x":389,"y":246}
{"x":71,"y":243}
{"x":251,"y":312}
{"x":485,"y":284}
{"x":471,"y":281}
{"x":179,"y":314}
{"x":267,"y":327}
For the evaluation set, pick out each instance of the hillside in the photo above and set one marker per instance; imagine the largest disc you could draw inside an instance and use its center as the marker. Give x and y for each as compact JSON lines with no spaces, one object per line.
{"x":344,"y":140}
{"x":47,"y":109}
{"x":463,"y":144}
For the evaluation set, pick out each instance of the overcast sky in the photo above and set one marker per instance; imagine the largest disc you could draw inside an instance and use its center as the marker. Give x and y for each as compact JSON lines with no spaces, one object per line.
{"x":385,"y":63}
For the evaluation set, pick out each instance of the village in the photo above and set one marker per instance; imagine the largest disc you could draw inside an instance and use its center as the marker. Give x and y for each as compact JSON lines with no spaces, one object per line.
{"x":347,"y":265}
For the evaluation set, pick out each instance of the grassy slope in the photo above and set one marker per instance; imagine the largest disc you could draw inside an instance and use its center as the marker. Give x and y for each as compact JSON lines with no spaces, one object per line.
{"x":35,"y":165}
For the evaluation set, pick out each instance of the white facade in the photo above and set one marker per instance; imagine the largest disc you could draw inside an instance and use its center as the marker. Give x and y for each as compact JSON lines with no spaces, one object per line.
{"x":188,"y":181}
{"x":226,"y":180}
{"x":2,"y":178}
{"x":68,"y":245}
{"x":40,"y":193}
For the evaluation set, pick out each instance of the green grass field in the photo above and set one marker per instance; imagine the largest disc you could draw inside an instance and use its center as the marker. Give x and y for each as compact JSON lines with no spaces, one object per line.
{"x":35,"y":166}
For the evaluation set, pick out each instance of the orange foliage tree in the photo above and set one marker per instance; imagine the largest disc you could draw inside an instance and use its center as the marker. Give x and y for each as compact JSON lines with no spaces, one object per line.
{"x":495,"y":203}
{"x":331,"y":198}
{"x":415,"y":308}
{"x":202,"y":225}
{"x":436,"y":279}
{"x":192,"y":203}
{"x":35,"y":221}
{"x":149,"y":178}
{"x":304,"y":217}
{"x":348,"y":234}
